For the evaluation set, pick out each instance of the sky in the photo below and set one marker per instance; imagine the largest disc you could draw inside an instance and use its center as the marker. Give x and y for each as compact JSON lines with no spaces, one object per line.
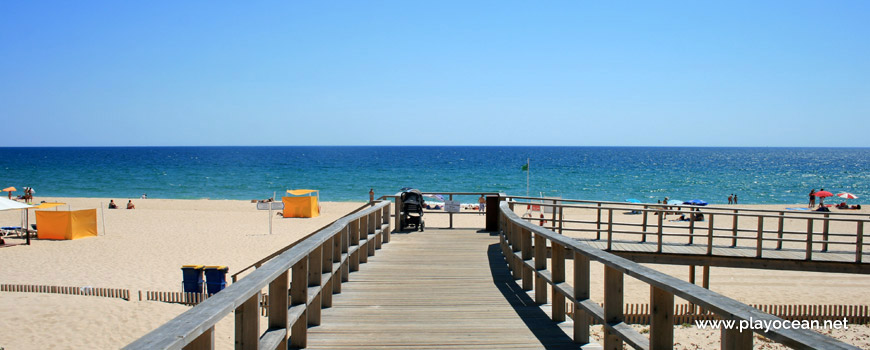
{"x":562,"y":73}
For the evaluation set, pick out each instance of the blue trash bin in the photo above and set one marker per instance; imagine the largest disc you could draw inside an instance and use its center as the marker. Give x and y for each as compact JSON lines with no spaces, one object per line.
{"x":215,"y":278}
{"x":191,"y":278}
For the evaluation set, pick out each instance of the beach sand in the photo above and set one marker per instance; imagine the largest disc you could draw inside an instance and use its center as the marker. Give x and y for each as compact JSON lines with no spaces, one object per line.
{"x":143,"y":250}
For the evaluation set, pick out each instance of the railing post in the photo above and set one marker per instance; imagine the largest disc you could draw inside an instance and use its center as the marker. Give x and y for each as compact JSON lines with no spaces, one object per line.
{"x":363,"y":233}
{"x":376,"y":226}
{"x":398,"y":220}
{"x":299,"y":296}
{"x":204,"y":341}
{"x":386,"y":217}
{"x":278,"y":303}
{"x":561,"y":218}
{"x":779,"y":230}
{"x":734,"y":230}
{"x":661,"y":319}
{"x":598,"y":223}
{"x":643,"y":237}
{"x":859,"y":242}
{"x":326,"y":268}
{"x":825,"y":232}
{"x":526,"y":246}
{"x":450,"y":214}
{"x":609,"y":229}
{"x":354,"y":241}
{"x":372,"y":239}
{"x":336,"y":258}
{"x":492,"y":212}
{"x":759,"y":237}
{"x":809,"y":247}
{"x":581,"y":293}
{"x":248,"y":323}
{"x":710,"y":235}
{"x":558,"y":262}
{"x":613,"y":299}
{"x":314,"y":280}
{"x":345,"y":248}
{"x":516,"y":246}
{"x":540,"y":264}
{"x":659,"y":244}
{"x":733,"y":339}
{"x":691,"y":226}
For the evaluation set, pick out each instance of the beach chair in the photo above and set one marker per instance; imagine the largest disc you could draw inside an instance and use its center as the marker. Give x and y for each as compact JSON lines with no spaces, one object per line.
{"x":10,"y":230}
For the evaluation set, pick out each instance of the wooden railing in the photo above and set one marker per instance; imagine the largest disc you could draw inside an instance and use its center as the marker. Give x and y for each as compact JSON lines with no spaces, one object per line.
{"x":300,"y":280}
{"x":524,"y":246}
{"x":768,"y":227}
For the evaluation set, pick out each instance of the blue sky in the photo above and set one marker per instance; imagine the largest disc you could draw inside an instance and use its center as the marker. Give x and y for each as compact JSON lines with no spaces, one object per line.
{"x":683,"y":73}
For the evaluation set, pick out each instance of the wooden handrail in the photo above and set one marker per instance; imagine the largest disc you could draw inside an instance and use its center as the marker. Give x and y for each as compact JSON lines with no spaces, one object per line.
{"x":313,"y":257}
{"x":761,"y":233}
{"x":516,"y":231}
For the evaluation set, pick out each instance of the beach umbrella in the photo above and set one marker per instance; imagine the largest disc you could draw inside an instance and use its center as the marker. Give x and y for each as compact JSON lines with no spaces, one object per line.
{"x":675,"y":202}
{"x":632,"y":200}
{"x":9,"y":189}
{"x":823,"y":194}
{"x":697,"y":202}
{"x":847,"y":195}
{"x":6,"y":204}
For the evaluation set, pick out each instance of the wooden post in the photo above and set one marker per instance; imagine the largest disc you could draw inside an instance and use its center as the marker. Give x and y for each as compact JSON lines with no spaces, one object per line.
{"x":759,"y":237}
{"x":398,"y":221}
{"x":326,"y":268}
{"x":450,"y":214}
{"x":613,"y":304}
{"x":526,"y":245}
{"x":354,"y":241}
{"x":734,"y":230}
{"x":248,"y":323}
{"x":598,"y":223}
{"x":336,"y":258}
{"x":372,"y":244}
{"x":363,"y":232}
{"x":661,"y":319}
{"x":705,"y":276}
{"x":645,"y":207}
{"x":376,"y":226}
{"x":825,"y":232}
{"x":558,"y":261}
{"x":692,"y":281}
{"x":278,"y":304}
{"x":779,"y":230}
{"x":299,"y":296}
{"x":561,"y":218}
{"x":710,"y":234}
{"x":516,"y":246}
{"x":540,"y":264}
{"x":553,"y":221}
{"x":691,"y":226}
{"x":345,"y":248}
{"x":859,"y":242}
{"x":386,"y":216}
{"x":609,"y":229}
{"x":314,"y":274}
{"x":205,"y":341}
{"x":733,"y":339}
{"x":581,"y":293}
{"x":659,"y":244}
{"x":809,"y":247}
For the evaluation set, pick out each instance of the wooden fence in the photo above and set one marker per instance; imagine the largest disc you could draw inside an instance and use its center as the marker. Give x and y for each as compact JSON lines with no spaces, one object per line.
{"x":68,"y":290}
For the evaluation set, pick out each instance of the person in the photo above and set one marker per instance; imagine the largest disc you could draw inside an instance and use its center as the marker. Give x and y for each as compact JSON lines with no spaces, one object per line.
{"x":482,"y":202}
{"x":130,"y":204}
{"x":821,"y":199}
{"x":371,"y":195}
{"x":683,"y":218}
{"x":812,"y":198}
{"x":112,"y":204}
{"x":731,"y":199}
{"x":144,"y":196}
{"x":28,"y":194}
{"x":735,"y":199}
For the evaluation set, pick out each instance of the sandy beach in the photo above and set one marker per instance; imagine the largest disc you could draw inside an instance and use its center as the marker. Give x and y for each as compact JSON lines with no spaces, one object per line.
{"x":143,"y":249}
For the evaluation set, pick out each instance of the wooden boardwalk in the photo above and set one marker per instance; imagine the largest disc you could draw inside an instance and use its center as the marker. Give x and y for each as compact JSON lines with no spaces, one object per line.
{"x":438,"y":289}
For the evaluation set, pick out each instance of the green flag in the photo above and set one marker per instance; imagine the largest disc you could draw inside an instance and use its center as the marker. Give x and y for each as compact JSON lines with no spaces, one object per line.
{"x":526,"y":167}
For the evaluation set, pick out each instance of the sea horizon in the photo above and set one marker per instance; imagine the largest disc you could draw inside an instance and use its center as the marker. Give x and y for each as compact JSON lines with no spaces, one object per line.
{"x":757,"y":175}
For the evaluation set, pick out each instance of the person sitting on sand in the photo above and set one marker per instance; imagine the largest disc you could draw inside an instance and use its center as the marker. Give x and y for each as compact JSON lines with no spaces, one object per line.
{"x":683,"y":218}
{"x":112,"y":204}
{"x":130,"y":204}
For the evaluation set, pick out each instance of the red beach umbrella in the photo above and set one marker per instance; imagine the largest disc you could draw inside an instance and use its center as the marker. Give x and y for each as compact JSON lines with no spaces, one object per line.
{"x":823,"y":194}
{"x":847,"y":195}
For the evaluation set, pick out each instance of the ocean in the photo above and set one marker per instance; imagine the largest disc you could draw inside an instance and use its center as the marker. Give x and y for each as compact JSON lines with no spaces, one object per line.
{"x":756,"y":175}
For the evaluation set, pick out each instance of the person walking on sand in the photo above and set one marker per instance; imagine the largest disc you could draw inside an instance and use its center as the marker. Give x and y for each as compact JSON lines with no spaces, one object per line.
{"x":482,"y":204}
{"x":735,"y":199}
{"x":731,"y":199}
{"x":812,"y":198}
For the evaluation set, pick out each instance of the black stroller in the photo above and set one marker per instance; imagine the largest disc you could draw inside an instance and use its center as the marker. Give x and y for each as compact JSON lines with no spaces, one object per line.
{"x":412,"y":209}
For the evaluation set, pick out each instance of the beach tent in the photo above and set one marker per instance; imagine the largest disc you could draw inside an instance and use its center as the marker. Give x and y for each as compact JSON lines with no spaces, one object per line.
{"x":66,"y":224}
{"x":301,"y":204}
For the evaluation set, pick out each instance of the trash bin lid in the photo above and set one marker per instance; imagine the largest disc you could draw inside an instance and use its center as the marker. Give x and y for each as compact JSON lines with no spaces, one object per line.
{"x":195,"y":267}
{"x":216,"y":267}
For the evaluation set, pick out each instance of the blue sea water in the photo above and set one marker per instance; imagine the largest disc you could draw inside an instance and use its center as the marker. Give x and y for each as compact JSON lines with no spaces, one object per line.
{"x":756,"y":175}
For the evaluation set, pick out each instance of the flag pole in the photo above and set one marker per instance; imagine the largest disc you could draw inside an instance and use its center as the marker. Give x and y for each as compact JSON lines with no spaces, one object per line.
{"x":528,"y":175}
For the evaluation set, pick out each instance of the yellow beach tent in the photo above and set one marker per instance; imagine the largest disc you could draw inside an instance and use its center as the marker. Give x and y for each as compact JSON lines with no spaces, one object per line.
{"x":66,"y":224}
{"x":301,"y":204}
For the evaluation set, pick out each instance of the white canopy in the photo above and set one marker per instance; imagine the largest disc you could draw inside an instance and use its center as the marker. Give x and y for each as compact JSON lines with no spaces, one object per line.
{"x":6,"y":204}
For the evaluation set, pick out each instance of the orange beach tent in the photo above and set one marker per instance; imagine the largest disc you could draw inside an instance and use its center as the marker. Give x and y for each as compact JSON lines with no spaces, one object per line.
{"x":301,"y":204}
{"x":66,"y":224}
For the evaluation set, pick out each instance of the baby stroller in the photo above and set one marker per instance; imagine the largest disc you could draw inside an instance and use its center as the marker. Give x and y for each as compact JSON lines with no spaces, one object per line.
{"x":412,"y":209}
